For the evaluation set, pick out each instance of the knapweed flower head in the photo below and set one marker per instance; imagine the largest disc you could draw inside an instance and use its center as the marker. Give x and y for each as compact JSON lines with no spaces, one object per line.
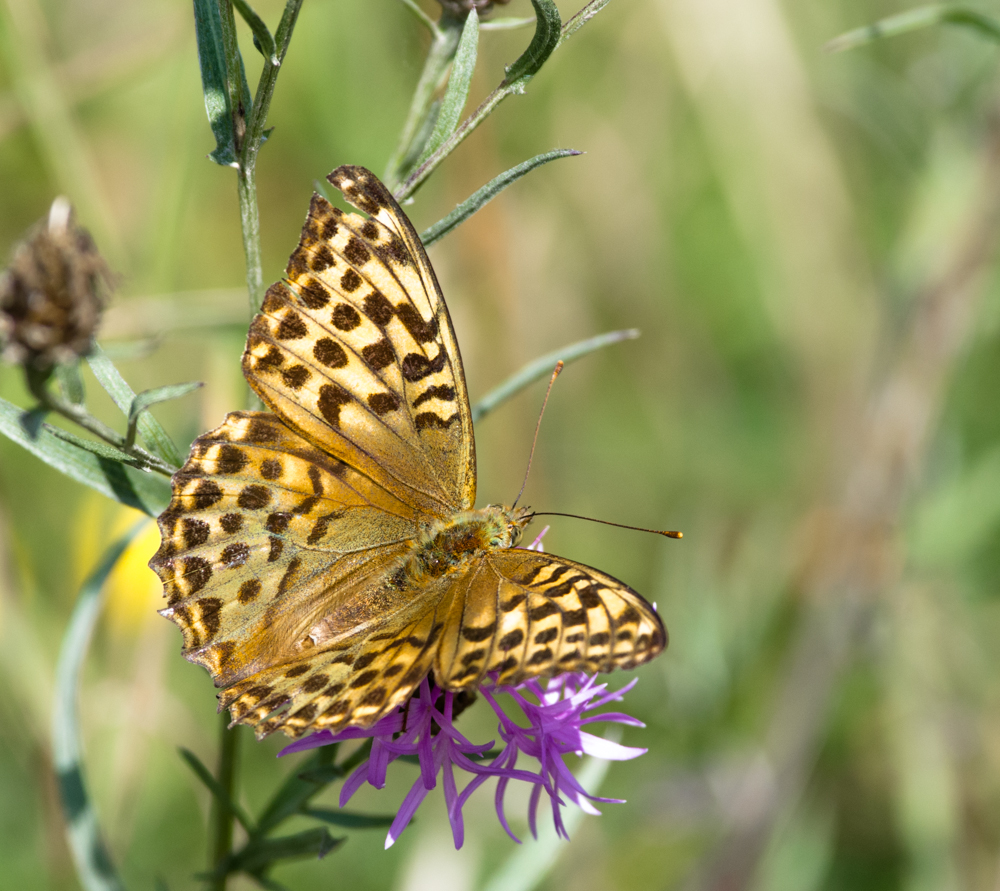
{"x":555,"y":714}
{"x":52,"y":293}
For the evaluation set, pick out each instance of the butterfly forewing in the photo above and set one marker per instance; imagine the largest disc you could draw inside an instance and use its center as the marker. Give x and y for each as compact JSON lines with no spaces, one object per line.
{"x":357,"y":351}
{"x":524,"y":614}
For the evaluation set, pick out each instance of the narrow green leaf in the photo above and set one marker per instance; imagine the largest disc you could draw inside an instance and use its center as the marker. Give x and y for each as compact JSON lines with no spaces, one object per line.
{"x":421,"y":138}
{"x":101,"y":449}
{"x":296,"y":791}
{"x":212,"y":60}
{"x":321,"y":776}
{"x":262,"y":37}
{"x":93,"y":863}
{"x":539,"y":368}
{"x":348,"y":820}
{"x":580,"y":18}
{"x":457,"y":92}
{"x":916,"y":19}
{"x":548,"y":32}
{"x":487,"y":193}
{"x":212,"y":784}
{"x":153,"y":435}
{"x":260,"y":854}
{"x":143,"y":491}
{"x":70,"y":382}
{"x":149,"y":398}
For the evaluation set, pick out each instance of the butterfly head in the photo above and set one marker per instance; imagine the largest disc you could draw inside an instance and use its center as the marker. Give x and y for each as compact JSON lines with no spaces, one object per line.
{"x":513,"y":520}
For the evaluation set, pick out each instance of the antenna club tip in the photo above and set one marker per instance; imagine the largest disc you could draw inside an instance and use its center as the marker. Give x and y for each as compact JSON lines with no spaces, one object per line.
{"x":673,"y":534}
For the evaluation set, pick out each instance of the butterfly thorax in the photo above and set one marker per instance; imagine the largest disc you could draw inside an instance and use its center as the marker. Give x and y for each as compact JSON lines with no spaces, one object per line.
{"x":447,"y":545}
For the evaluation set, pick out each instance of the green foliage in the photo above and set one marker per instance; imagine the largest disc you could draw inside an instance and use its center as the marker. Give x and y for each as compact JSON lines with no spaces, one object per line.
{"x":772,"y":217}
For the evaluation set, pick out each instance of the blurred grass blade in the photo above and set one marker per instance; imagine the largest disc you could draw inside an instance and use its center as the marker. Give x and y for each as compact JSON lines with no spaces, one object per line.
{"x":262,"y":37}
{"x":528,"y":866}
{"x":149,"y":398}
{"x":487,"y":193}
{"x":299,"y":787}
{"x":93,"y":864}
{"x":506,"y":24}
{"x":70,"y":382}
{"x":143,"y":491}
{"x":543,"y":366}
{"x":457,"y":93}
{"x":548,"y":32}
{"x":579,"y":19}
{"x":260,"y":855}
{"x":914,"y":20}
{"x":348,"y":820}
{"x":153,"y":435}
{"x":213,"y":786}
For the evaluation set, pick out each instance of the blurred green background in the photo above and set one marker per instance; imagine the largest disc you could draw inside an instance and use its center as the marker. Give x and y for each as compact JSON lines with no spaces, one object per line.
{"x":805,"y":240}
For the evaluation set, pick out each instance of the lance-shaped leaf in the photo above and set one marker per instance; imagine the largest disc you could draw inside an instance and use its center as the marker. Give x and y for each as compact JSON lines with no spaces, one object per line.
{"x":305,"y":782}
{"x":580,"y":18}
{"x":212,"y":61}
{"x":457,"y":92}
{"x":153,"y":435}
{"x":548,"y":32}
{"x":70,"y":382}
{"x":262,"y":37}
{"x":101,"y":449}
{"x":349,"y":820}
{"x":543,"y":366}
{"x":914,"y":20}
{"x":142,"y":491}
{"x":215,"y":787}
{"x":260,"y":854}
{"x":93,"y":864}
{"x":151,"y":397}
{"x":487,"y":193}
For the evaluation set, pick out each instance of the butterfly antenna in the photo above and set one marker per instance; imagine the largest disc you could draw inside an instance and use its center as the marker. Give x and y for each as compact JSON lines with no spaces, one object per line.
{"x":534,"y":442}
{"x":665,"y":532}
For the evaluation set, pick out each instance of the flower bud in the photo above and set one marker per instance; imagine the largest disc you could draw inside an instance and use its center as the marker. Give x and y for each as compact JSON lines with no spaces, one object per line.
{"x":52,"y":293}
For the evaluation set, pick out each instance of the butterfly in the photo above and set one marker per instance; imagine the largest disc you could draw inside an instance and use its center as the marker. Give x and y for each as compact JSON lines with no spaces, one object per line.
{"x":322,"y":558}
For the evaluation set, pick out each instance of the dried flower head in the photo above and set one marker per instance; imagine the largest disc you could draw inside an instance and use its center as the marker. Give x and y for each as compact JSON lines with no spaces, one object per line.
{"x":51,"y":295}
{"x":461,"y":8}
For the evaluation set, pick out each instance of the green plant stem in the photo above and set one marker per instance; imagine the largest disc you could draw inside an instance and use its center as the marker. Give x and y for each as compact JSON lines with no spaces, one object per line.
{"x":505,"y":89}
{"x":222,"y":816}
{"x":249,"y":134}
{"x":444,"y":43}
{"x":36,"y":381}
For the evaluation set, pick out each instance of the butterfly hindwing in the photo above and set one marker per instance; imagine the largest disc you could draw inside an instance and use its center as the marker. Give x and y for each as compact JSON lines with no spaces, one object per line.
{"x":356,"y":350}
{"x":262,"y":536}
{"x":524,"y":614}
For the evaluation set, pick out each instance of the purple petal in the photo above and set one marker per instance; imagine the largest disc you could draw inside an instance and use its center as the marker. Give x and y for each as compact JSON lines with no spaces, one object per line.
{"x":313,"y":741}
{"x":354,"y":782}
{"x":407,"y":809}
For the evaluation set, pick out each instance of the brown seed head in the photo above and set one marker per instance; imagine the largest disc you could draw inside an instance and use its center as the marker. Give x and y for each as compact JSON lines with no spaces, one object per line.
{"x":461,"y":8}
{"x":52,"y":293}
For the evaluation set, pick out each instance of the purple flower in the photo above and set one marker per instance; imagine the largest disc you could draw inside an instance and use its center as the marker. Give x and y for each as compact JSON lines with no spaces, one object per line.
{"x":424,"y":727}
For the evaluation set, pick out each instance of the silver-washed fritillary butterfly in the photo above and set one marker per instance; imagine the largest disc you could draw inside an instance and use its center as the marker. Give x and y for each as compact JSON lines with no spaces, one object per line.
{"x":322,"y":558}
